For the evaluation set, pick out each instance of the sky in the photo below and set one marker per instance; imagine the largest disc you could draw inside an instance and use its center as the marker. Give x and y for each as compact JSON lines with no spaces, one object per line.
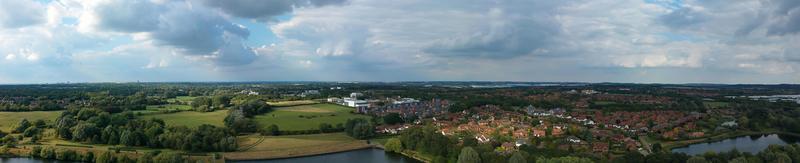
{"x":636,"y":41}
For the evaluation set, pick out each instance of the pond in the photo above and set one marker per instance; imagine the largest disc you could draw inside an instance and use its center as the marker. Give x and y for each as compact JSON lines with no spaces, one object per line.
{"x":371,"y":155}
{"x":752,"y":144}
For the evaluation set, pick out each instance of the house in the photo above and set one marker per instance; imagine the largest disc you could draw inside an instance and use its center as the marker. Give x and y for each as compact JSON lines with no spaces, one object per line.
{"x":353,"y":102}
{"x":696,"y":134}
{"x":631,"y":144}
{"x":509,"y":146}
{"x":521,"y":133}
{"x":600,"y":147}
{"x":520,"y":142}
{"x":730,"y":124}
{"x":539,"y":133}
{"x":557,"y":131}
{"x":483,"y":138}
{"x":334,"y":100}
{"x":573,"y":139}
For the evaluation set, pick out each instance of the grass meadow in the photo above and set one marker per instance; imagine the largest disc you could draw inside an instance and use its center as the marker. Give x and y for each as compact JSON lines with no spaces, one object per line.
{"x":306,"y":117}
{"x":191,"y":118}
{"x":8,"y":120}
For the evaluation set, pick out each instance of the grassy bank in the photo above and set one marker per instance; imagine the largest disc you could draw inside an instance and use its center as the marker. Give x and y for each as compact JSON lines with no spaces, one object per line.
{"x":273,"y":147}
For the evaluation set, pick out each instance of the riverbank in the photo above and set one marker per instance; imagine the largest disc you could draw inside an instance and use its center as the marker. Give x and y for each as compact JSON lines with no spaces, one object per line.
{"x":256,"y":147}
{"x":409,"y":153}
{"x":684,"y":143}
{"x":293,"y":153}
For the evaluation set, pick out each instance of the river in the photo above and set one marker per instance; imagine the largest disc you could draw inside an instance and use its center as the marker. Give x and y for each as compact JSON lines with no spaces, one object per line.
{"x":363,"y":155}
{"x":752,"y":144}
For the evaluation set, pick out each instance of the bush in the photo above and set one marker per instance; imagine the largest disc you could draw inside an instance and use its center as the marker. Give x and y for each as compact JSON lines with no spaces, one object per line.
{"x":394,"y":145}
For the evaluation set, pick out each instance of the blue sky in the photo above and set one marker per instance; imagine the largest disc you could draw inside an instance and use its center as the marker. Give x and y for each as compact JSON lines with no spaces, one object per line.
{"x":643,"y":41}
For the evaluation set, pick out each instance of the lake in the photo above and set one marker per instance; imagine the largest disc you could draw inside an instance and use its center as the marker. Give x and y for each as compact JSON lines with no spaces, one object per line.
{"x":363,"y":155}
{"x":371,"y":155}
{"x":752,"y":144}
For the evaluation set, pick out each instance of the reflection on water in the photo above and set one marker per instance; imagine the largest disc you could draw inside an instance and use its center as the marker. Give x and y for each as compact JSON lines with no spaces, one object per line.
{"x":752,"y":144}
{"x":363,"y":155}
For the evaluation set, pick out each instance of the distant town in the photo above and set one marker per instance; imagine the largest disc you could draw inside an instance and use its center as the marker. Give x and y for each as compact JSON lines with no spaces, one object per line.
{"x":422,"y":121}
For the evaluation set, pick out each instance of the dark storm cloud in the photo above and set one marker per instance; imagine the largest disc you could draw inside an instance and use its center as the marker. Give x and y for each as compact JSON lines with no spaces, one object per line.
{"x":265,"y":9}
{"x":128,"y":16}
{"x":19,"y":13}
{"x":192,"y":30}
{"x":504,"y":40}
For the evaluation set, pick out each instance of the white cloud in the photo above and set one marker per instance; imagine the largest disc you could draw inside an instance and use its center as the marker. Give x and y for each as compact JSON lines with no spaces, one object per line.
{"x":20,"y":13}
{"x":539,"y":40}
{"x":11,"y":57}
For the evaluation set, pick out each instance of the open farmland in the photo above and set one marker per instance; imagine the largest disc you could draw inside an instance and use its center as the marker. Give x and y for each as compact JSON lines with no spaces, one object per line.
{"x":156,"y":109}
{"x":191,"y":118}
{"x":292,"y":103}
{"x":270,"y":147}
{"x":10,"y":119}
{"x":306,"y":117}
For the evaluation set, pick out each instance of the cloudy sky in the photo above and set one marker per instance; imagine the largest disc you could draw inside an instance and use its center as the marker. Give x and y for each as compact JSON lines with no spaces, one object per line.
{"x":647,"y":41}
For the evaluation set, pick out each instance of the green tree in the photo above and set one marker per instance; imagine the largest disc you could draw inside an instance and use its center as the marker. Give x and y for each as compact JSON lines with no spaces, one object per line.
{"x":325,"y":127}
{"x":40,"y":123}
{"x":106,"y":157}
{"x":735,"y":160}
{"x":394,"y":145}
{"x":48,"y":152}
{"x":656,"y":147}
{"x":696,"y":159}
{"x":22,"y":125}
{"x":392,"y":118}
{"x":469,"y":155}
{"x":31,"y":131}
{"x":782,"y":158}
{"x":147,"y":157}
{"x":517,"y":158}
{"x":35,"y":151}
{"x":88,"y":157}
{"x":273,"y":130}
{"x":168,"y":157}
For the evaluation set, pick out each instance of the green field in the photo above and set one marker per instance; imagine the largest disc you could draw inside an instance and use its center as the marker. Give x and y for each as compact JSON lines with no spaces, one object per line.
{"x":191,"y":118}
{"x":289,"y":118}
{"x":254,"y":147}
{"x":10,"y":119}
{"x":715,"y":105}
{"x":292,"y":103}
{"x":155,"y":109}
{"x":604,"y":102}
{"x":182,"y":99}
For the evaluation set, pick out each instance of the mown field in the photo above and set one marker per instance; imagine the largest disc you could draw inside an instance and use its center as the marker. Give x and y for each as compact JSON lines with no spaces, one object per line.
{"x":306,"y":117}
{"x":266,"y":147}
{"x":191,"y":118}
{"x":155,"y":109}
{"x":715,"y":104}
{"x":291,"y":103}
{"x":10,"y":119}
{"x":181,"y":99}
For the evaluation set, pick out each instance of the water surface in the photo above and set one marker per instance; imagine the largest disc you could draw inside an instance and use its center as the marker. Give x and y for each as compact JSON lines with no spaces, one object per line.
{"x":370,"y":155}
{"x":752,"y":144}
